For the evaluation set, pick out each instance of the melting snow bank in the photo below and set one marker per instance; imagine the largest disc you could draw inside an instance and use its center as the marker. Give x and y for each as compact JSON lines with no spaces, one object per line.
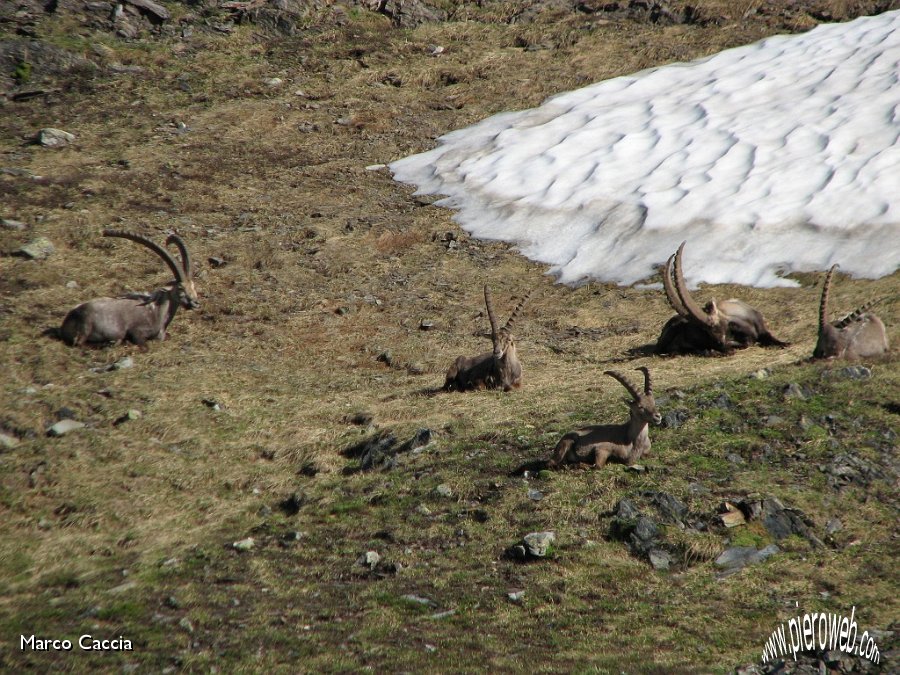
{"x":779,"y":156}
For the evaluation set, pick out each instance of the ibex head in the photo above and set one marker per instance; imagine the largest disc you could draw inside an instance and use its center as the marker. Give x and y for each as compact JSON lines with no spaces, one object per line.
{"x":642,"y":405}
{"x":183,"y":272}
{"x":710,"y":318}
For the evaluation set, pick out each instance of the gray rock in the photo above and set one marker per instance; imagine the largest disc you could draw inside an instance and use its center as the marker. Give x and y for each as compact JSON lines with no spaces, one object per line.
{"x":793,"y":390}
{"x":848,"y":373}
{"x":740,"y":556}
{"x":186,"y":624}
{"x":626,"y":510}
{"x":833,"y":525}
{"x":516,"y":597}
{"x":760,"y":374}
{"x":645,"y":531}
{"x":8,"y":442}
{"x":660,"y":559}
{"x":537,"y":544}
{"x":37,"y":249}
{"x":734,"y":458}
{"x":671,"y":508}
{"x":369,"y":559}
{"x":419,"y":600}
{"x":12,"y":224}
{"x":130,"y":416}
{"x":675,"y":418}
{"x":54,"y":138}
{"x":443,"y":490}
{"x":535,"y":495}
{"x":773,"y":420}
{"x":244,"y":544}
{"x":64,"y":427}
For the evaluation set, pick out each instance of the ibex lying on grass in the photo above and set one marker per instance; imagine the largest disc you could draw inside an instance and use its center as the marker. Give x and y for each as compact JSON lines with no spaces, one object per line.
{"x":858,"y":334}
{"x":498,"y":369}
{"x":720,"y":327}
{"x":622,"y":443}
{"x":136,"y":317}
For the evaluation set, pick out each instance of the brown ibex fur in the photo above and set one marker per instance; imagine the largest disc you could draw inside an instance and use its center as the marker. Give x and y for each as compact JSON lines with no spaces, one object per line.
{"x":136,"y":317}
{"x":859,"y":334}
{"x":721,"y":327}
{"x":623,"y":443}
{"x":497,"y":369}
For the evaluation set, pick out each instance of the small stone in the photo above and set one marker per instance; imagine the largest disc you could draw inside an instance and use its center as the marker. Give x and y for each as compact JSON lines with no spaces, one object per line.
{"x":8,"y":442}
{"x":734,"y":458}
{"x":273,"y":82}
{"x":423,"y":510}
{"x":54,"y":138}
{"x":415,"y":368}
{"x":216,"y":262}
{"x":741,"y":556}
{"x":172,"y":602}
{"x":418,"y":600}
{"x":12,"y":224}
{"x":538,"y":543}
{"x":385,"y":357}
{"x":130,"y":416}
{"x":123,"y":363}
{"x":426,"y":324}
{"x":793,"y":390}
{"x":244,"y":544}
{"x":443,"y":490}
{"x":773,"y":420}
{"x":64,"y":427}
{"x":369,"y":559}
{"x":37,"y":249}
{"x":435,"y":50}
{"x":535,"y":495}
{"x":833,"y":525}
{"x":186,"y":624}
{"x":636,"y":468}
{"x":72,"y":284}
{"x":376,"y":167}
{"x":516,"y":597}
{"x":855,"y":372}
{"x":660,"y":559}
{"x":760,"y":374}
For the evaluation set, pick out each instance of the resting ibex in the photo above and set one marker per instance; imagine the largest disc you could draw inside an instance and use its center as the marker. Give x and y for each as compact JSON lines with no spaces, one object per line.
{"x":622,"y":443}
{"x":136,"y":317}
{"x":498,"y":369}
{"x":858,"y":334}
{"x":718,"y":327}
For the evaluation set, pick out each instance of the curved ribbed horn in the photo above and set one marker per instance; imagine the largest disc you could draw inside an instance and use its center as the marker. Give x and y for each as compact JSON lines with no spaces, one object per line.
{"x":648,"y":381}
{"x":156,"y":248}
{"x":624,"y":382}
{"x":823,"y":304}
{"x":186,"y":264}
{"x":686,"y":299}
{"x":515,"y":313}
{"x":489,"y":305}
{"x":858,"y":312}
{"x":671,"y":296}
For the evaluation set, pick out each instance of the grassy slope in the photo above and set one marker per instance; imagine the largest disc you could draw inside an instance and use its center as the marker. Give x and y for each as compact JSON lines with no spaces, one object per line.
{"x":306,"y":231}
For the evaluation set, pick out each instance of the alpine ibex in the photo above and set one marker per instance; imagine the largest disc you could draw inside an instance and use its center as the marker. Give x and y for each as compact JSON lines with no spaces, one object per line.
{"x":136,"y":317}
{"x":622,"y":443}
{"x":720,"y":327}
{"x":858,"y":334}
{"x":499,"y":368}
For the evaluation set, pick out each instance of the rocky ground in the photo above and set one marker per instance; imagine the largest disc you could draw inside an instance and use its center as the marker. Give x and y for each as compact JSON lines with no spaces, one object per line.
{"x":279,"y":485}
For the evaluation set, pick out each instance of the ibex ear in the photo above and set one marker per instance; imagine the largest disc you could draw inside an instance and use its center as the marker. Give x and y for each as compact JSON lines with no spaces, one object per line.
{"x":713,"y":311}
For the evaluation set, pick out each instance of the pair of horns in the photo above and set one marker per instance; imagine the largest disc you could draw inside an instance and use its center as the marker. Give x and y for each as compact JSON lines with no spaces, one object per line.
{"x":489,"y":305}
{"x":625,"y":382}
{"x":678,"y":295}
{"x":183,"y":271}
{"x":851,"y":317}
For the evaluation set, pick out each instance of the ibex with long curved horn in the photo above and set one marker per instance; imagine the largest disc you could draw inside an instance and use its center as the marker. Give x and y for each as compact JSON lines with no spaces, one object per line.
{"x":136,"y":317}
{"x":499,"y":368}
{"x":721,"y":327}
{"x":623,"y":443}
{"x":857,"y":335}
